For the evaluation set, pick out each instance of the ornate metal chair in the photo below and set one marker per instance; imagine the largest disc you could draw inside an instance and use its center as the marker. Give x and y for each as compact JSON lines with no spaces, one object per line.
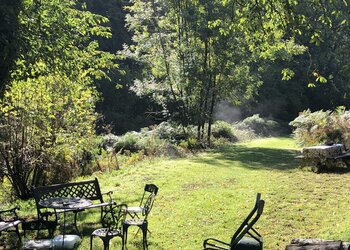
{"x":9,"y":221}
{"x":140,"y":214}
{"x":112,"y":223}
{"x":239,"y":241}
{"x":149,"y":190}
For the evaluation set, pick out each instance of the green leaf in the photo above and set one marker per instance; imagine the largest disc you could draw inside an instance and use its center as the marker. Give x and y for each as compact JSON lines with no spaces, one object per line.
{"x":287,"y":74}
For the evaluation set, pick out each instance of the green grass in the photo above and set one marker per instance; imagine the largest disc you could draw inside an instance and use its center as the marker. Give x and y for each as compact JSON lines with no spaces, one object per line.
{"x":210,"y":194}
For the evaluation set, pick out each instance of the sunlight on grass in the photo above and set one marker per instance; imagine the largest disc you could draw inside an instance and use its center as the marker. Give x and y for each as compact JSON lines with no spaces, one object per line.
{"x":209,"y":195}
{"x":281,"y":143}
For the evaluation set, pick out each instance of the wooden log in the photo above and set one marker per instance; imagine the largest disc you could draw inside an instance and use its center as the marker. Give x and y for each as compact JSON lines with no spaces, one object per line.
{"x":315,"y":244}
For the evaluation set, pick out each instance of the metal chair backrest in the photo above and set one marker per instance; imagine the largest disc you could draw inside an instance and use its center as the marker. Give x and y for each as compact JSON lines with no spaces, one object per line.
{"x":247,"y":226}
{"x":147,"y":201}
{"x":113,"y":219}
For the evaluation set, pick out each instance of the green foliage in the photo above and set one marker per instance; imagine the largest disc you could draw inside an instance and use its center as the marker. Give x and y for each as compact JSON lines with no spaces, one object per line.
{"x":47,"y":114}
{"x":56,"y":37}
{"x":128,"y":142}
{"x":319,"y":127}
{"x":46,"y":123}
{"x":190,"y":144}
{"x":244,"y":134}
{"x":223,"y":129}
{"x":261,"y":126}
{"x":320,"y":76}
{"x":172,"y":132}
{"x":198,"y":52}
{"x":151,"y":144}
{"x":108,"y":142}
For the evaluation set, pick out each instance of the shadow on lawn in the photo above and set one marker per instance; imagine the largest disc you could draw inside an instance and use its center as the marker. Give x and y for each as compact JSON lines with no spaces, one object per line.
{"x":253,"y":157}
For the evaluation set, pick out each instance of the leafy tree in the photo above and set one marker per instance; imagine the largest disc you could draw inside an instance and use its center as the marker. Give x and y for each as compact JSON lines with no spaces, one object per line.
{"x":198,"y":52}
{"x":47,"y":114}
{"x":45,"y":129}
{"x":320,"y":76}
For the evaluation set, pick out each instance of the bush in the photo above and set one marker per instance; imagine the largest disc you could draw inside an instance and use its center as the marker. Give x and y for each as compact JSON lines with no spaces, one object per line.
{"x":190,"y":143}
{"x":244,"y":134}
{"x":132,"y":142}
{"x":109,"y":141}
{"x":222,"y":129}
{"x":172,"y":132}
{"x":127,"y":142}
{"x":260,"y":126}
{"x":151,"y":144}
{"x":322,"y":127}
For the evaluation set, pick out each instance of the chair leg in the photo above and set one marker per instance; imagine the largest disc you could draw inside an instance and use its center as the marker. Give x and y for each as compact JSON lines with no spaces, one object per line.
{"x":105,"y":243}
{"x":19,"y":236}
{"x":144,"y":227}
{"x":125,"y":234}
{"x":91,"y":237}
{"x":75,"y":222}
{"x":123,"y":247}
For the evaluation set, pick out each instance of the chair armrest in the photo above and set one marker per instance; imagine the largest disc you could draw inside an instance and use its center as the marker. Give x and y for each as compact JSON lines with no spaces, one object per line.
{"x":212,"y":243}
{"x":108,"y":193}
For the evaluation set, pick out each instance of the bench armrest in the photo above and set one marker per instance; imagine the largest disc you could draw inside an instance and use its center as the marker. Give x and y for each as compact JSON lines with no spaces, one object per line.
{"x":109,"y":193}
{"x":10,"y":211}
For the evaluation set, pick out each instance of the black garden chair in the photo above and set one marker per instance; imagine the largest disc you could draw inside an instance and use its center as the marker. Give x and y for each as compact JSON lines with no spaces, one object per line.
{"x":149,"y":190}
{"x":140,"y":214}
{"x":239,"y":240}
{"x":112,"y":223}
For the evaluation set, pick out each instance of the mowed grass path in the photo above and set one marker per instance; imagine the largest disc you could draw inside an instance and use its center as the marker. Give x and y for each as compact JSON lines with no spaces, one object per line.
{"x":211,"y":193}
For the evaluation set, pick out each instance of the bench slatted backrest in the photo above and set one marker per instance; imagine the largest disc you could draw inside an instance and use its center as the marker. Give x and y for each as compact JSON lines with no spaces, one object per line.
{"x":85,"y":189}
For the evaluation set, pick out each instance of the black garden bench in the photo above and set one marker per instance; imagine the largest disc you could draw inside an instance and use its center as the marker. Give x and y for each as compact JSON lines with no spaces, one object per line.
{"x":85,"y":189}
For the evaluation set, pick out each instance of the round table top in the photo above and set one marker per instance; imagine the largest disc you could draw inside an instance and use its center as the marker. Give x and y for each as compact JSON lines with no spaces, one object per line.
{"x":65,"y":203}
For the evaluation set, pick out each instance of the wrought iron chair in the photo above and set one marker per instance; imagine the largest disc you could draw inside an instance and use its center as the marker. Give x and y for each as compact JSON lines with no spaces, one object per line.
{"x":9,"y":221}
{"x":239,"y":241}
{"x":112,"y":223}
{"x":140,"y":214}
{"x":39,"y":242}
{"x":149,"y":190}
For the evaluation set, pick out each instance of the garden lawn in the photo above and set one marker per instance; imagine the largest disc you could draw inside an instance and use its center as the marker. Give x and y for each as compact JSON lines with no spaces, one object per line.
{"x":208,"y":195}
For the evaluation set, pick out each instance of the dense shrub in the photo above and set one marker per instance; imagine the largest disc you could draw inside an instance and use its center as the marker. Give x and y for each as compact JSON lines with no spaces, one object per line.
{"x":151,"y":144}
{"x":222,"y":129}
{"x":128,"y":142}
{"x":172,"y":132}
{"x":244,"y":134}
{"x":261,"y":126}
{"x":46,"y":127}
{"x":109,"y":141}
{"x":322,"y":127}
{"x":131,"y":142}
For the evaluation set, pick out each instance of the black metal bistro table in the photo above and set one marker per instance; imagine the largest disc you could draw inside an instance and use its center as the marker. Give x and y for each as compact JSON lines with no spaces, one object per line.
{"x":71,"y":203}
